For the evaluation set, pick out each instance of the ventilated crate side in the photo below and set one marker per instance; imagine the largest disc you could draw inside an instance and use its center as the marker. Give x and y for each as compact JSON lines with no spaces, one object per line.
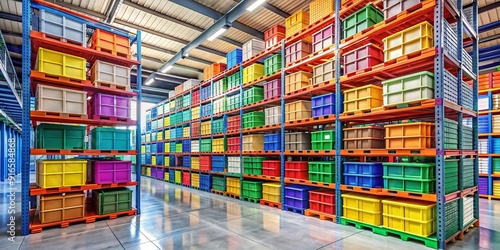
{"x":253,"y":72}
{"x":60,"y":26}
{"x":298,"y":110}
{"x":318,"y":9}
{"x":297,"y":81}
{"x":112,"y":106}
{"x":61,"y":207}
{"x":324,"y":72}
{"x":109,"y":42}
{"x":300,"y":16}
{"x":364,"y":57}
{"x":61,"y":100}
{"x":416,"y":135}
{"x":104,"y":72}
{"x":53,"y":136}
{"x":110,"y":139}
{"x":272,"y":115}
{"x":362,"y":98}
{"x":297,"y":51}
{"x":59,"y":64}
{"x":253,"y":142}
{"x":408,"y":89}
{"x":394,"y":7}
{"x":361,"y":19}
{"x":252,"y":48}
{"x":323,"y":39}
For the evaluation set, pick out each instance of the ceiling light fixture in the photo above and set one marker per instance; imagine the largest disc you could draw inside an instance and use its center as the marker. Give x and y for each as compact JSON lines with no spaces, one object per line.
{"x":218,"y":33}
{"x":256,"y":4}
{"x":166,"y":69}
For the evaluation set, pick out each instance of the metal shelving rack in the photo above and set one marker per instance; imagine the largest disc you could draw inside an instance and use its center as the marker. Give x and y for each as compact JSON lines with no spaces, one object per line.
{"x":28,"y":36}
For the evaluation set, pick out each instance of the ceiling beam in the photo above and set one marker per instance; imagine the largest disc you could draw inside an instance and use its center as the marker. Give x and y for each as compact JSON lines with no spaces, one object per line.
{"x":485,"y":8}
{"x":177,"y":21}
{"x":171,"y":52}
{"x":10,"y":17}
{"x":113,"y":8}
{"x":149,"y":58}
{"x":204,"y":10}
{"x":275,"y":10}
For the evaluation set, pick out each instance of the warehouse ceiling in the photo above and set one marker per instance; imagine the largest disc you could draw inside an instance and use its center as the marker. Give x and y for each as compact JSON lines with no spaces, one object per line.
{"x":168,"y":26}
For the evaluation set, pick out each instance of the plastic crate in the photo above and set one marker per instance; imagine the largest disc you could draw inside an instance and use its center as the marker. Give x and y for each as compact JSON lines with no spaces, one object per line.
{"x":362,"y":180}
{"x":361,"y":19}
{"x":414,"y":217}
{"x":60,"y":26}
{"x":323,"y":39}
{"x":233,"y":186}
{"x":297,"y":110}
{"x":206,"y":128}
{"x":254,"y":142}
{"x":323,"y":140}
{"x":186,"y":100}
{"x":104,"y":72}
{"x":252,"y":165}
{"x":364,"y":168}
{"x":274,"y":40}
{"x":322,"y":200}
{"x":59,"y":64}
{"x":196,"y":97}
{"x":415,"y":38}
{"x":297,"y":51}
{"x":205,"y":163}
{"x":362,"y":98}
{"x":367,"y":137}
{"x":206,"y":145}
{"x":273,"y":31}
{"x":272,"y":115}
{"x":321,"y":167}
{"x":112,"y":200}
{"x":319,"y":9}
{"x":219,"y":87}
{"x":218,"y":163}
{"x":272,"y":64}
{"x":234,"y":164}
{"x":205,"y":182}
{"x":109,"y":171}
{"x":298,"y":192}
{"x":271,"y":168}
{"x":186,"y":179}
{"x":392,"y":8}
{"x":272,"y":89}
{"x":233,"y":102}
{"x":234,"y":57}
{"x":271,"y":191}
{"x":218,"y":126}
{"x":108,"y":42}
{"x":233,"y":80}
{"x":206,"y":92}
{"x":52,"y":136}
{"x":300,"y":16}
{"x":195,"y":129}
{"x":363,"y":208}
{"x":252,"y":189}
{"x":61,"y":173}
{"x":213,"y":70}
{"x":110,"y":139}
{"x":218,"y":183}
{"x":297,"y":141}
{"x":297,"y":170}
{"x":195,"y":180}
{"x":61,"y":100}
{"x":414,"y":135}
{"x":253,"y":72}
{"x":253,"y":119}
{"x":272,"y":142}
{"x":408,"y":89}
{"x":296,"y":81}
{"x":219,"y":105}
{"x":233,"y":123}
{"x":253,"y":95}
{"x":61,"y":207}
{"x":233,"y":144}
{"x":363,"y":57}
{"x":219,"y":145}
{"x":252,"y":48}
{"x":323,"y":105}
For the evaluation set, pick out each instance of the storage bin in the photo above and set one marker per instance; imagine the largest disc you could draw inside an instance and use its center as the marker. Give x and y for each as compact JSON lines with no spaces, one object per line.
{"x":272,"y":89}
{"x":368,"y":181}
{"x":253,"y":119}
{"x":394,"y":7}
{"x":272,"y":64}
{"x":233,"y":123}
{"x":273,"y":31}
{"x":61,"y":173}
{"x":297,"y":110}
{"x":55,"y":63}
{"x":253,"y":72}
{"x":205,"y":182}
{"x":109,"y":171}
{"x":271,"y":191}
{"x":297,"y":51}
{"x":414,"y":217}
{"x":323,"y":140}
{"x":186,"y":179}
{"x":111,"y":43}
{"x":233,"y":186}
{"x":319,"y":9}
{"x":297,"y":81}
{"x":323,"y":39}
{"x":234,"y":80}
{"x":218,"y":126}
{"x":252,"y":165}
{"x":186,"y":146}
{"x":233,"y":144}
{"x":322,"y":200}
{"x":297,"y":169}
{"x":252,"y":189}
{"x":323,"y":105}
{"x":252,"y":48}
{"x":195,"y":180}
{"x":104,"y":72}
{"x":206,"y":145}
{"x":213,"y":70}
{"x":61,"y":100}
{"x":362,"y":19}
{"x":414,"y":135}
{"x":52,"y":24}
{"x":190,"y":83}
{"x":362,"y":98}
{"x":363,"y":57}
{"x":52,"y":136}
{"x":254,"y":142}
{"x":233,"y":58}
{"x":363,"y":208}
{"x":297,"y":196}
{"x":205,"y":163}
{"x":218,"y":183}
{"x":61,"y":207}
{"x":408,"y":89}
{"x":415,"y":38}
{"x":104,"y":105}
{"x":206,"y":128}
{"x":253,"y":95}
{"x":322,"y":171}
{"x":233,"y":164}
{"x":233,"y":102}
{"x":219,"y":145}
{"x":271,"y":168}
{"x":219,"y":87}
{"x":109,"y":201}
{"x":297,"y":141}
{"x":195,"y":129}
{"x":324,"y":72}
{"x":272,"y":142}
{"x":300,"y":16}
{"x":206,"y":92}
{"x":219,"y":105}
{"x":110,"y":139}
{"x":272,"y":115}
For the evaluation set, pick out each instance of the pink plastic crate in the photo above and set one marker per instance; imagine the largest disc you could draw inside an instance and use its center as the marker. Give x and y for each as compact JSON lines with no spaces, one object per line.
{"x":323,"y":38}
{"x":109,"y":171}
{"x":272,"y":89}
{"x":297,"y":51}
{"x":110,"y":106}
{"x":364,"y":57}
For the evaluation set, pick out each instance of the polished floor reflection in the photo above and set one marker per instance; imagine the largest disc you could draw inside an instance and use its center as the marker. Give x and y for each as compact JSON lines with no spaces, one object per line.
{"x":175,"y":217}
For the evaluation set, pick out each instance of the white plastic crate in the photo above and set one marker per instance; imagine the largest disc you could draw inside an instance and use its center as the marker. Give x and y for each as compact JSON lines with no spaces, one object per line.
{"x":467,"y":122}
{"x":195,"y":146}
{"x":219,"y":105}
{"x":233,"y":164}
{"x":61,"y":100}
{"x":482,"y":103}
{"x":166,"y":107}
{"x":468,"y":209}
{"x":272,"y":115}
{"x":483,"y":146}
{"x":483,"y":165}
{"x":252,"y":48}
{"x":171,"y":94}
{"x":189,"y":84}
{"x":409,"y":88}
{"x":105,"y":72}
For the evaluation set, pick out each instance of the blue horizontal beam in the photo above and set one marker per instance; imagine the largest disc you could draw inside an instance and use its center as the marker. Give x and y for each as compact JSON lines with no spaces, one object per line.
{"x":11,"y":17}
{"x":14,"y":48}
{"x":489,"y":66}
{"x":488,"y":27}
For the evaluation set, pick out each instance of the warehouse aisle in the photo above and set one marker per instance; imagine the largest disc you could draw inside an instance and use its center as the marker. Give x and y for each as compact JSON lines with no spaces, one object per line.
{"x":174,"y":217}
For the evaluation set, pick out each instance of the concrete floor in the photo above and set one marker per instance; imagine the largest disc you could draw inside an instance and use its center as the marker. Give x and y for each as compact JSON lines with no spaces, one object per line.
{"x":175,"y":217}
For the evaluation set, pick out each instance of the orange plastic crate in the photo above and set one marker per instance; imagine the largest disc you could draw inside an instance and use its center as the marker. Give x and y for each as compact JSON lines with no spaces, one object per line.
{"x":300,"y":16}
{"x":112,"y":43}
{"x":213,"y":70}
{"x":414,"y":135}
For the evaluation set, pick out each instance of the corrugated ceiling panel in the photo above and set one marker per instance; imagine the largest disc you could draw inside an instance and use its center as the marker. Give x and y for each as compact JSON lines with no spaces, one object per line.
{"x":10,"y":26}
{"x":177,"y":12}
{"x":150,"y":65}
{"x":10,"y":6}
{"x":98,"y":6}
{"x":13,"y":40}
{"x":219,"y":45}
{"x":222,"y":6}
{"x":238,"y":35}
{"x":261,"y":19}
{"x":205,"y":55}
{"x":155,"y":40}
{"x":192,"y":64}
{"x":290,"y":6}
{"x":485,"y":18}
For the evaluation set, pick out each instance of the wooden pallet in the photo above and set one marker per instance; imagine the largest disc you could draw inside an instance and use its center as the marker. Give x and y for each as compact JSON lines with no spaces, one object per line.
{"x":111,"y":51}
{"x":64,"y":40}
{"x":108,"y":85}
{"x":473,"y":224}
{"x":270,"y":203}
{"x":410,"y":104}
{"x":110,"y":118}
{"x":61,"y":79}
{"x":58,"y":114}
{"x":218,"y":192}
{"x":357,"y":112}
{"x":322,"y":216}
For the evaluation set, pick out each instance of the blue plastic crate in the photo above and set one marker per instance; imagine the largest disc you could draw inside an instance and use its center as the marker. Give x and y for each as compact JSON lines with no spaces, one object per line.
{"x":298,"y":192}
{"x":171,"y":160}
{"x":159,"y":160}
{"x":154,"y":148}
{"x":154,"y":112}
{"x":205,"y":182}
{"x":178,"y":132}
{"x":159,"y":147}
{"x":186,"y":146}
{"x":186,"y":161}
{"x":148,"y":126}
{"x":206,"y":92}
{"x":148,"y":148}
{"x":370,"y":181}
{"x":218,"y":163}
{"x":171,"y":175}
{"x":297,"y":203}
{"x":148,"y":159}
{"x":233,"y":58}
{"x":325,"y":105}
{"x":272,"y":142}
{"x":206,"y":109}
{"x":364,"y":168}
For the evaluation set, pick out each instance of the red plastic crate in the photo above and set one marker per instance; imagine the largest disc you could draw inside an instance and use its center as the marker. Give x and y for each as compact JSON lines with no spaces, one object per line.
{"x":296,"y":165}
{"x":233,"y":143}
{"x":297,"y":51}
{"x":233,"y":123}
{"x":205,"y":163}
{"x":323,"y":38}
{"x":195,"y":97}
{"x":297,"y":170}
{"x":322,"y":207}
{"x":195,"y":129}
{"x":271,"y":168}
{"x":322,"y":195}
{"x":275,"y":30}
{"x":364,"y":57}
{"x":186,"y":178}
{"x":272,"y":41}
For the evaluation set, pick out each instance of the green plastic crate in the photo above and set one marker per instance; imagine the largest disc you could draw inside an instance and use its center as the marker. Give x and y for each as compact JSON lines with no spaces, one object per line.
{"x":186,"y":115}
{"x":362,"y":19}
{"x":451,"y":218}
{"x":219,"y":87}
{"x":252,"y":189}
{"x":218,"y":183}
{"x":186,"y":100}
{"x":468,"y":172}
{"x":178,"y":147}
{"x":234,"y":80}
{"x":252,"y":165}
{"x":110,"y":139}
{"x":52,"y":136}
{"x":495,"y":163}
{"x":323,"y":140}
{"x":218,"y":126}
{"x":327,"y":167}
{"x":272,"y":64}
{"x":206,"y":145}
{"x":451,"y":175}
{"x":112,"y":200}
{"x":253,"y":119}
{"x":253,"y":95}
{"x":233,"y":102}
{"x":321,"y":177}
{"x":409,"y":170}
{"x":426,"y":186}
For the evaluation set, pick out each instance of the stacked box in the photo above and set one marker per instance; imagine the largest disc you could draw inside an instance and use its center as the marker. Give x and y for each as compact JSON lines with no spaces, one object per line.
{"x":253,"y":119}
{"x":323,"y":39}
{"x":233,"y":123}
{"x":272,"y":115}
{"x":272,"y":64}
{"x":323,"y":105}
{"x":205,"y":182}
{"x":392,"y":8}
{"x":218,"y":163}
{"x":363,"y":57}
{"x":52,"y":136}
{"x":363,"y":208}
{"x":296,"y":22}
{"x":252,"y":165}
{"x":297,"y":51}
{"x":252,"y":48}
{"x":319,"y":9}
{"x":296,"y":81}
{"x":206,"y":145}
{"x":297,"y":170}
{"x":206,"y":92}
{"x":272,"y":142}
{"x":171,"y":175}
{"x":219,"y":145}
{"x":251,"y":189}
{"x":195,"y":180}
{"x":233,"y":186}
{"x":297,"y":110}
{"x":218,"y":183}
{"x":109,"y":201}
{"x":322,"y":200}
{"x":271,"y":191}
{"x":468,"y":211}
{"x":414,"y":217}
{"x":103,"y":105}
{"x":219,"y":87}
{"x":297,"y":196}
{"x":413,"y":135}
{"x":195,"y":113}
{"x":274,"y":35}
{"x":61,"y":173}
{"x":362,"y":98}
{"x":233,"y":143}
{"x":186,"y":179}
{"x":323,"y":140}
{"x":205,"y":163}
{"x":234,"y":57}
{"x":297,"y":141}
{"x":110,"y":139}
{"x":408,"y":89}
{"x":253,"y":72}
{"x":364,"y":174}
{"x":206,"y":128}
{"x":67,"y":66}
{"x":403,"y":42}
{"x":253,"y":95}
{"x":195,"y":129}
{"x":186,"y":100}
{"x":233,"y":102}
{"x":213,"y":70}
{"x":254,"y":142}
{"x":186,"y":146}
{"x":196,"y":97}
{"x":233,"y":164}
{"x":234,"y":80}
{"x":411,"y":177}
{"x":218,"y":126}
{"x":272,"y":89}
{"x":362,"y":19}
{"x":322,"y":171}
{"x":195,"y":162}
{"x":219,"y":105}
{"x":271,"y":168}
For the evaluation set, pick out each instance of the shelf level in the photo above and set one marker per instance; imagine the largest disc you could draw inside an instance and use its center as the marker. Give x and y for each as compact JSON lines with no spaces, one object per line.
{"x":35,"y":190}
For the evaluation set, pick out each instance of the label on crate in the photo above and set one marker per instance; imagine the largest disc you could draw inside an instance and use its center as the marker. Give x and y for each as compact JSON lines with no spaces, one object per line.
{"x":327,"y":137}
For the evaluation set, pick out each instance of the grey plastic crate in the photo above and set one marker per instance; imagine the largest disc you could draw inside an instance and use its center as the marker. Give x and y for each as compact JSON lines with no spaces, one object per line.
{"x":467,"y":96}
{"x":450,"y":41}
{"x":394,"y":7}
{"x":297,"y":141}
{"x":467,"y":60}
{"x":60,"y":26}
{"x":273,"y":115}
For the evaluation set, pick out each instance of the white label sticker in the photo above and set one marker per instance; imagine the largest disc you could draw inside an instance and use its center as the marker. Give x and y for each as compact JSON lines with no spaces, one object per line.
{"x":327,"y":137}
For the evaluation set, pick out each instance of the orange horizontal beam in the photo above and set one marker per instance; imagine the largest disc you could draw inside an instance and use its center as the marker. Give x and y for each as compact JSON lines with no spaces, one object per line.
{"x":35,"y":190}
{"x":310,"y":183}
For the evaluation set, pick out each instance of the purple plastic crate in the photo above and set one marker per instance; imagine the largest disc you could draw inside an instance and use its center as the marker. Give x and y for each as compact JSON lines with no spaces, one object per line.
{"x":160,"y":173}
{"x":323,"y":38}
{"x":109,"y":171}
{"x":297,"y":203}
{"x":111,"y":106}
{"x":324,"y":105}
{"x":364,"y":168}
{"x":153,"y":171}
{"x":370,"y":181}
{"x":272,"y":89}
{"x":298,"y":191}
{"x":297,"y":51}
{"x":483,"y":186}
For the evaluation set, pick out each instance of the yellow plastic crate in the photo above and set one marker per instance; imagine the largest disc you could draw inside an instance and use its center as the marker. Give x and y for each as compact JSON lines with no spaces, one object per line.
{"x":166,"y":176}
{"x":143,"y":149}
{"x":320,"y":8}
{"x":153,"y":160}
{"x":159,"y":136}
{"x":253,"y":72}
{"x":148,"y":172}
{"x":206,"y":128}
{"x":195,"y":180}
{"x":271,"y":188}
{"x":363,"y":216}
{"x":195,"y":113}
{"x":363,"y":202}
{"x":233,"y":185}
{"x":60,"y":64}
{"x":166,"y":162}
{"x":178,"y":177}
{"x":61,"y":173}
{"x":167,"y":135}
{"x":410,"y":209}
{"x":218,"y":145}
{"x":166,"y":121}
{"x":172,"y":105}
{"x":300,"y":16}
{"x":363,"y":98}
{"x":415,"y":38}
{"x":148,"y":137}
{"x":195,"y":162}
{"x":186,"y":132}
{"x":271,"y":197}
